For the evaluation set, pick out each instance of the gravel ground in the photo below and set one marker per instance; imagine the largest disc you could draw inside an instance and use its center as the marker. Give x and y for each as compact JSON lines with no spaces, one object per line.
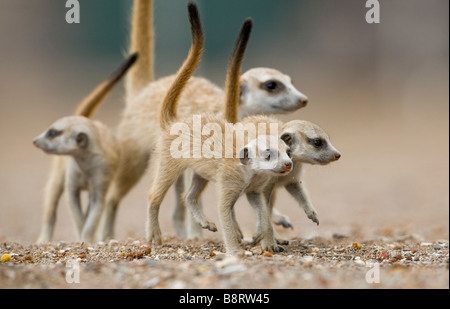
{"x":402,"y":262}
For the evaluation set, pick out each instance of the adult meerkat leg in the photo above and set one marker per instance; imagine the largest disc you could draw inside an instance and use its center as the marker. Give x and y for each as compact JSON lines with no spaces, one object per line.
{"x":53,"y":191}
{"x":192,"y":202}
{"x":126,"y":177}
{"x":298,"y":191}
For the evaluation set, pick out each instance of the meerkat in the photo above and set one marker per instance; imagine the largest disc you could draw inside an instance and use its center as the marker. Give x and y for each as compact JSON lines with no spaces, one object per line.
{"x":233,"y":176}
{"x":87,"y":157}
{"x":263,"y":91}
{"x":308,"y":143}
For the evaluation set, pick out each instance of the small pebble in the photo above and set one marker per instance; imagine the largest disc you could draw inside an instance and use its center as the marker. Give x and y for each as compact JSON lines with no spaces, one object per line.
{"x":267,"y":254}
{"x":113,"y":243}
{"x":6,"y":258}
{"x":356,"y":246}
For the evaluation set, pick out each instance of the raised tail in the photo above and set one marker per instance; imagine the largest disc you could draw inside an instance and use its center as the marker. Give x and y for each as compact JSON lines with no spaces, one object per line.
{"x":89,"y":105}
{"x":141,"y":41}
{"x":232,"y":84}
{"x":168,"y":112}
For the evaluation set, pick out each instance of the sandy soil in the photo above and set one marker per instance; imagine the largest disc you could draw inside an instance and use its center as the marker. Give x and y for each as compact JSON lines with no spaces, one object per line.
{"x":389,"y":192}
{"x":389,"y":262}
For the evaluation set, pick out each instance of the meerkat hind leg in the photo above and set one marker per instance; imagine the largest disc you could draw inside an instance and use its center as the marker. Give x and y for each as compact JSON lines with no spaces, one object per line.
{"x":198,"y":185}
{"x":185,"y":225}
{"x":126,"y":177}
{"x":179,"y":212}
{"x":164,"y":179}
{"x":264,"y":229}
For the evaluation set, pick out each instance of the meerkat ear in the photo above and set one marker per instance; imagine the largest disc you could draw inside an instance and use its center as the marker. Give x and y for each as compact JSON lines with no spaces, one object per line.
{"x":82,"y":140}
{"x":244,"y":87}
{"x":244,"y":155}
{"x":288,"y":138}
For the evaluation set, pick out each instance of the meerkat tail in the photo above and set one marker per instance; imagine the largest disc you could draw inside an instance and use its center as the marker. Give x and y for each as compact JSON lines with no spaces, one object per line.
{"x":232,"y":84}
{"x":89,"y":105}
{"x":169,"y":106}
{"x":141,"y":41}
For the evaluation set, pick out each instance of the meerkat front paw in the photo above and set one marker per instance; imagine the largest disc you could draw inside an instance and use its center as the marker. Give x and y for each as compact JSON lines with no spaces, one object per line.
{"x":283,"y":220}
{"x":313,"y":215}
{"x":280,"y":240}
{"x":271,"y":246}
{"x":155,"y":237}
{"x":257,"y":237}
{"x":209,"y":226}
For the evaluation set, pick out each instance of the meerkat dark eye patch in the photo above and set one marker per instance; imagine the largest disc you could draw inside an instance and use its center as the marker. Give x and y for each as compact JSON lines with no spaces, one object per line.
{"x":317,"y":142}
{"x":287,"y":138}
{"x":52,"y":133}
{"x":244,"y":156}
{"x":82,"y":140}
{"x":289,"y":153}
{"x":272,"y":86}
{"x":267,"y":155}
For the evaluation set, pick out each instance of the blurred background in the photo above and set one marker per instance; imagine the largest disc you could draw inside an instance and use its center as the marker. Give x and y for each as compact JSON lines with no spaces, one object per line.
{"x":380,"y":90}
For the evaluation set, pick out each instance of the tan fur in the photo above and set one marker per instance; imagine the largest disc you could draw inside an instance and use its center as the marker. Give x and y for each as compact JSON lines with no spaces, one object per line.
{"x":233,"y":176}
{"x":105,"y":141}
{"x":142,"y":41}
{"x":139,"y":128}
{"x":232,"y":85}
{"x":299,"y":135}
{"x":168,"y":111}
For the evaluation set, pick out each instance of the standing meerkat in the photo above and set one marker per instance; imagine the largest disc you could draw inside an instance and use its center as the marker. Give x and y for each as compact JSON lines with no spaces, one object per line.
{"x":260,"y":159}
{"x":88,"y":155}
{"x":264,"y":91}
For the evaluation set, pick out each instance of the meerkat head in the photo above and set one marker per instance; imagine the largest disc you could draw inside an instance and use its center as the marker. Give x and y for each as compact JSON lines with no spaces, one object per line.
{"x":268,"y":91}
{"x":309,"y":143}
{"x":67,"y":136}
{"x":267,"y":154}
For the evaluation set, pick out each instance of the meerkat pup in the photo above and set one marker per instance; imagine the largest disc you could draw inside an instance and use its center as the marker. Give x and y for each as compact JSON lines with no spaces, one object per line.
{"x":89,"y":157}
{"x":263,"y":91}
{"x":234,"y":176}
{"x":308,"y":144}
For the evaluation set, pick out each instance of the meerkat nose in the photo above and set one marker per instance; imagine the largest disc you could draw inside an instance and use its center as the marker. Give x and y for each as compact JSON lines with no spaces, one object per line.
{"x":288,"y":166}
{"x":337,"y":156}
{"x":303,"y":101}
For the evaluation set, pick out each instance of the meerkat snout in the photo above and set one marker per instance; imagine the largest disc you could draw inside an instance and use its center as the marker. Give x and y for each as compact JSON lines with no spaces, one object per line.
{"x":288,"y":166}
{"x":303,"y":102}
{"x":337,"y":156}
